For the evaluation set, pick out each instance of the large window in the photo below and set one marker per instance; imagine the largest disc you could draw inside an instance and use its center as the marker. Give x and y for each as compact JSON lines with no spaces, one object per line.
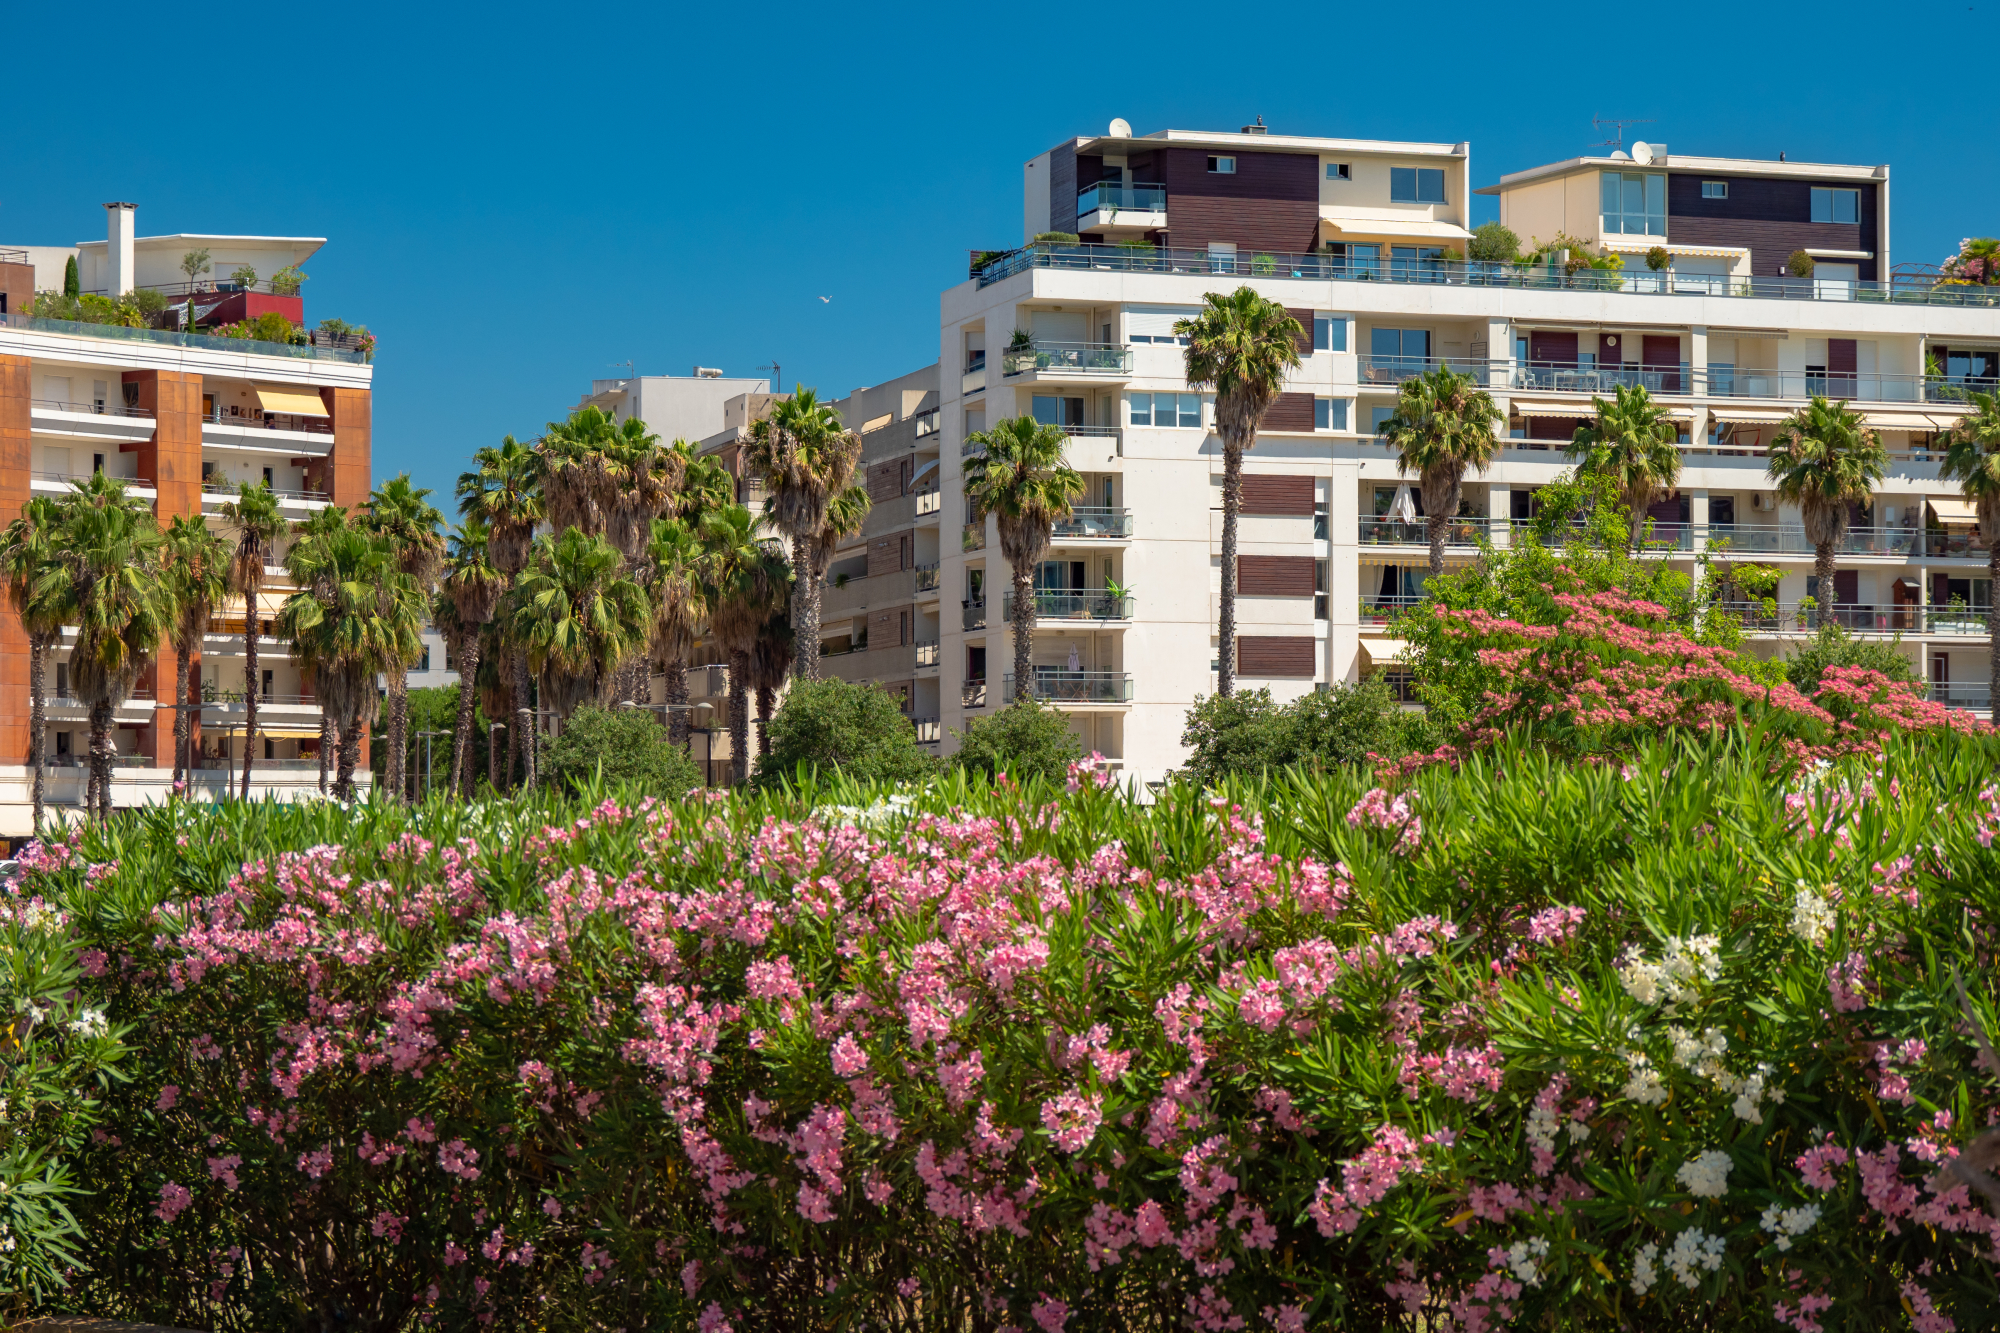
{"x":1836,"y":205}
{"x":1416,"y":185}
{"x":1178,"y":410}
{"x":1329,"y":414}
{"x":1634,"y":203}
{"x":1329,"y":333}
{"x":1051,"y":410}
{"x":1400,"y":347}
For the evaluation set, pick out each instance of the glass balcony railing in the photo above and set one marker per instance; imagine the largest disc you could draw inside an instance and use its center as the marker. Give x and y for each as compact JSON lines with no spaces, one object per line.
{"x":1973,"y":697}
{"x":975,"y":615}
{"x":1083,"y":604}
{"x":1955,"y":619}
{"x":1108,"y":198}
{"x":1063,"y":686}
{"x":1396,"y":369}
{"x":927,"y":654}
{"x":1076,"y":358}
{"x":1395,"y":532}
{"x":927,"y":577}
{"x":973,"y":694}
{"x":1093,"y":521}
{"x":929,"y":730}
{"x":175,"y":338}
{"x":973,"y":537}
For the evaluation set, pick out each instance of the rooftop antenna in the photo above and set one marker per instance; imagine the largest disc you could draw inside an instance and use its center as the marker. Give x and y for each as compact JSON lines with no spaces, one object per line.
{"x":630,"y":373}
{"x":1617,"y":139}
{"x":777,"y":378}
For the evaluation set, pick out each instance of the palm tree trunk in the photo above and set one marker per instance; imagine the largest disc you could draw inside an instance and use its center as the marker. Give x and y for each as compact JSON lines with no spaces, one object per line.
{"x":1024,"y":628}
{"x":350,"y":755}
{"x":250,"y":686}
{"x":680,"y":724}
{"x":461,"y":740}
{"x":1993,"y":633}
{"x":38,"y":652}
{"x":519,"y":750}
{"x":181,"y":725}
{"x":395,"y":766}
{"x":329,"y":741}
{"x":100,"y":756}
{"x":493,"y":751}
{"x":1225,"y":629}
{"x":1434,"y":532}
{"x":739,"y":717}
{"x":805,"y":612}
{"x":1823,"y":577}
{"x":767,"y":699}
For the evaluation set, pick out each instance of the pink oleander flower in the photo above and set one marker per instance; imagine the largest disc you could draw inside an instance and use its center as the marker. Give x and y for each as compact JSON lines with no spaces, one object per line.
{"x":848,"y":1057}
{"x":1050,"y":1314}
{"x":169,"y":1094}
{"x":174,"y":1199}
{"x":1072,"y":1120}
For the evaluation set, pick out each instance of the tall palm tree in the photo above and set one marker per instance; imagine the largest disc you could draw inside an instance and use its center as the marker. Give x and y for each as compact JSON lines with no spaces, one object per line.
{"x":749,"y":582}
{"x":253,"y":518}
{"x":494,"y":695}
{"x":1021,"y":477}
{"x":110,"y":551}
{"x":1241,"y":345}
{"x":196,"y":567}
{"x":36,"y":587}
{"x":322,"y":522}
{"x":705,"y":485}
{"x":647,"y":474}
{"x":677,"y":596}
{"x":1442,"y":425}
{"x":577,"y":472}
{"x":806,"y":457}
{"x":1635,"y":445}
{"x":502,"y":491}
{"x":471,"y":592}
{"x":1972,"y":459}
{"x":1824,"y":459}
{"x":403,"y":517}
{"x":770,"y":661}
{"x":579,"y":617}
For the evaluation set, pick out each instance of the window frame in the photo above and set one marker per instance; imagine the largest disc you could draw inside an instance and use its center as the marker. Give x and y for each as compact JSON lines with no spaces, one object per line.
{"x":1418,"y":177}
{"x":1715,"y":189}
{"x":1646,"y":217}
{"x":1831,"y":194}
{"x":1325,"y":410}
{"x":1222,"y":164}
{"x":1340,"y":171}
{"x":1329,"y":333}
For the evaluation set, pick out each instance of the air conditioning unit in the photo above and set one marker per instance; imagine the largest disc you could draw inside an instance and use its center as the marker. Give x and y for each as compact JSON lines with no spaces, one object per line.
{"x":1764,"y":501}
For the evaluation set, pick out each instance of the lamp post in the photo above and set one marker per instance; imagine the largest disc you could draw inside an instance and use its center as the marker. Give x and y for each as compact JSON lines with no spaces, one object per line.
{"x":429,"y":754}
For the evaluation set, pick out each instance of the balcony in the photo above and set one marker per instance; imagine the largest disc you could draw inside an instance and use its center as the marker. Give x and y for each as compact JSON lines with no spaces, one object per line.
{"x":1089,"y":604}
{"x":253,"y":419}
{"x":1899,"y":543}
{"x":104,"y":421}
{"x":1058,"y":361}
{"x":1394,"y":532}
{"x":973,"y":379}
{"x":64,"y":480}
{"x":1390,"y":371}
{"x":1114,"y":207}
{"x":1562,"y":377}
{"x":929,"y":730}
{"x":972,"y":537}
{"x":1951,"y":621}
{"x":708,"y":682}
{"x":1094,"y":523}
{"x":311,"y":351}
{"x":927,"y":654}
{"x":927,"y":577}
{"x":1974,"y":698}
{"x":929,"y":502}
{"x":1379,"y":610}
{"x":1062,"y":686}
{"x":975,"y":615}
{"x":230,"y":491}
{"x":973,"y":694}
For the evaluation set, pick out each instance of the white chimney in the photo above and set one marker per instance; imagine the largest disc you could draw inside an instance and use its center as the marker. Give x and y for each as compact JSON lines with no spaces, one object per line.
{"x":118,"y":253}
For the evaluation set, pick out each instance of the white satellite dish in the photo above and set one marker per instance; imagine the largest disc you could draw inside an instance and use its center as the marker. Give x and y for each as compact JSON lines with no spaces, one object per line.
{"x":1642,"y":152}
{"x":1121,"y":128}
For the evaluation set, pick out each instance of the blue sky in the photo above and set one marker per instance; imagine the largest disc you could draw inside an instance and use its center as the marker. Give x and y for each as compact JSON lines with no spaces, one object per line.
{"x":517,"y":198}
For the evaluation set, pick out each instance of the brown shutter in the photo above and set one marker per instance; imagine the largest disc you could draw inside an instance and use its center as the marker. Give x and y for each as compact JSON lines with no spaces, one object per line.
{"x":1277,"y":495}
{"x":1281,"y":656}
{"x":1292,"y":412}
{"x":1305,"y":337}
{"x":884,"y":483}
{"x":1842,"y":356}
{"x":1551,"y":347}
{"x":1275,"y":575}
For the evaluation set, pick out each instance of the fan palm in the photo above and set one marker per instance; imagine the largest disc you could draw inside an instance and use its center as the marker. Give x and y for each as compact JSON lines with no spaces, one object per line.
{"x":1972,"y":459}
{"x":402,"y":516}
{"x":806,"y":457}
{"x":1022,"y":478}
{"x":330,"y":519}
{"x":647,"y":473}
{"x":748,"y":583}
{"x":195,"y":564}
{"x":501,"y":490}
{"x":1240,"y":346}
{"x":253,"y":518}
{"x":1635,"y":445}
{"x":579,"y":617}
{"x":675,"y":593}
{"x":1824,"y":459}
{"x":705,"y":485}
{"x":577,"y":472}
{"x":36,"y":587}
{"x":1442,"y":426}
{"x":770,"y":660}
{"x":471,"y":592}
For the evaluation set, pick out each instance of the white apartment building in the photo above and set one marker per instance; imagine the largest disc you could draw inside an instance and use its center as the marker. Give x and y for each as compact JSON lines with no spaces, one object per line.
{"x":1364,"y":242}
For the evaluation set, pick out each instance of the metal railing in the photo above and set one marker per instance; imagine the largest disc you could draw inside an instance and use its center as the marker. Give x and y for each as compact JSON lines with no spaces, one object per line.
{"x":1395,"y":532}
{"x":175,"y":338}
{"x":214,"y":698}
{"x":927,"y":653}
{"x":262,"y":765}
{"x":1086,"y":521}
{"x":1396,"y":369}
{"x":93,"y":408}
{"x":283,"y":493}
{"x":1776,"y":540}
{"x":974,"y":378}
{"x":1084,"y":604}
{"x":973,"y":694}
{"x":708,"y":682}
{"x":1974,"y":697}
{"x":258,"y":420}
{"x":1085,"y":358}
{"x":134,"y":482}
{"x":1372,"y":267}
{"x":1061,"y":685}
{"x":1109,"y":196}
{"x":1380,"y":610}
{"x":975,"y":615}
{"x":1860,"y":617}
{"x":8,"y":256}
{"x":929,"y":502}
{"x":70,"y":698}
{"x":929,"y":730}
{"x":927,"y":577}
{"x":1560,"y":377}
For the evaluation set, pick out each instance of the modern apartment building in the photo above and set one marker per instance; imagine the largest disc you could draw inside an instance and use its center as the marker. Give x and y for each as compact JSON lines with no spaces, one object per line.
{"x":183,"y":418}
{"x":1364,"y":241}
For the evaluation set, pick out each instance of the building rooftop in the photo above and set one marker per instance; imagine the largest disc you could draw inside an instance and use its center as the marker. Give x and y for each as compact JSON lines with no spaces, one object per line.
{"x":1665,"y":161}
{"x":1263,"y":141}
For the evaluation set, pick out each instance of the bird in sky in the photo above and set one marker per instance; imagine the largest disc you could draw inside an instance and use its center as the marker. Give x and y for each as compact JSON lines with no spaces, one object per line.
{"x":827,"y":299}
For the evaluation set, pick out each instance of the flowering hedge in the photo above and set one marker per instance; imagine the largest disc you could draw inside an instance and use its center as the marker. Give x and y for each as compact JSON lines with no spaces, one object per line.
{"x":1522,"y":1044}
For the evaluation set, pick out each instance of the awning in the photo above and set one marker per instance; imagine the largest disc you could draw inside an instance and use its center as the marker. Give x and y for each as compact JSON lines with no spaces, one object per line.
{"x":298,"y":402}
{"x":1951,"y":510}
{"x":1751,"y":416}
{"x":1901,"y":421}
{"x":1384,"y":650}
{"x":1680,"y":251}
{"x":923,"y":472}
{"x":1418,"y":229}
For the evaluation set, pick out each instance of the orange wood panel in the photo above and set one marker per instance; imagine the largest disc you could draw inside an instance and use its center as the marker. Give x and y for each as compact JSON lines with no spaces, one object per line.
{"x":16,"y":453}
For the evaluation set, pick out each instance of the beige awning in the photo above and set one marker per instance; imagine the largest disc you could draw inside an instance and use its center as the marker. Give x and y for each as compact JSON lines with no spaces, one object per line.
{"x":1417,"y":229}
{"x":298,"y":402}
{"x":1902,"y":421}
{"x":1384,"y":650}
{"x":1751,"y":416}
{"x":1952,"y":511}
{"x":1537,"y":408}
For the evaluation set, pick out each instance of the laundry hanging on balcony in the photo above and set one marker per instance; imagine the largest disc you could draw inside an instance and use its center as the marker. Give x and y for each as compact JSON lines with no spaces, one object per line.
{"x":1404,"y":507}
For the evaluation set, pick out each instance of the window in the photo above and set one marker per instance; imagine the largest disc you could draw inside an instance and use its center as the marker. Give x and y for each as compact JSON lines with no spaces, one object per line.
{"x":1376,"y":416}
{"x":1338,"y":171}
{"x":1634,"y":203}
{"x":1319,"y":520}
{"x":1416,"y":185}
{"x":1329,"y":333}
{"x":1836,"y":205}
{"x":1222,"y":166}
{"x":1319,"y":590}
{"x":1053,"y":411}
{"x":1399,"y":347}
{"x":424,"y":662}
{"x":1715,"y":189}
{"x":267,"y":476}
{"x":1178,"y":410}
{"x":1329,"y":414}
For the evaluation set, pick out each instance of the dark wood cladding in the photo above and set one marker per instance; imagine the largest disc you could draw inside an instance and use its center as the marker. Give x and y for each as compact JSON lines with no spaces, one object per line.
{"x":885,"y":480}
{"x":1263,"y":494}
{"x":1275,"y":656}
{"x":1271,"y":201}
{"x":1275,"y":575}
{"x":1304,"y":340}
{"x":1551,"y":347}
{"x":1062,"y":186}
{"x":1772,"y":218}
{"x":1291,"y":412}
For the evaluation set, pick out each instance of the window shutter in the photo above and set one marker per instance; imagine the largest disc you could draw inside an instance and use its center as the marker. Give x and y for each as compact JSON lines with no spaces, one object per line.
{"x":1286,"y":657}
{"x":1156,"y":321}
{"x":1275,"y":575}
{"x":1277,"y":495}
{"x":1291,"y":412}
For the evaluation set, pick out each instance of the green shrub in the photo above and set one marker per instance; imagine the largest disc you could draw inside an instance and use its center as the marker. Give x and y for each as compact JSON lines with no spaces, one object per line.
{"x":287,"y":280}
{"x":618,"y":746}
{"x":1493,"y":243}
{"x":831,"y":726}
{"x":1659,"y":258}
{"x":72,"y":284}
{"x":1055,"y":238}
{"x":1799,"y":264}
{"x":1833,"y":646}
{"x":1023,"y":740}
{"x":1249,"y":733}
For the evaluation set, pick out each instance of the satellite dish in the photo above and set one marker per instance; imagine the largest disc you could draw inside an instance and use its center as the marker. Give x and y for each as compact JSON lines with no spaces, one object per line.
{"x":1121,"y":128}
{"x":1642,"y":152}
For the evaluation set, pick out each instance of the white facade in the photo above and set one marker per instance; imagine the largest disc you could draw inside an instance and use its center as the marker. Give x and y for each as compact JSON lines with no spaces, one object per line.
{"x":674,"y":407}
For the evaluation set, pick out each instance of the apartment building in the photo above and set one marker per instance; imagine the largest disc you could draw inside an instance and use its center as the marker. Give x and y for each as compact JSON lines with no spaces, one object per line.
{"x":1364,"y":241}
{"x":183,"y":418}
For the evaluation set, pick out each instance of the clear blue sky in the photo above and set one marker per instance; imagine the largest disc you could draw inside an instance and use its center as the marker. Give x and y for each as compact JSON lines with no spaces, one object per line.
{"x":516,"y":197}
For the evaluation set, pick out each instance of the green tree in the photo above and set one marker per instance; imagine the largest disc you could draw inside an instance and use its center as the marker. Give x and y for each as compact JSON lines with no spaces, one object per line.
{"x":195,"y":565}
{"x":38,"y":589}
{"x":1972,"y":459}
{"x":72,"y":284}
{"x":257,"y":525}
{"x":858,"y":730}
{"x":678,"y":599}
{"x":502,"y":491}
{"x":1241,"y":346}
{"x":403,"y":518}
{"x":467,"y":601}
{"x":1248,"y":733}
{"x":1443,"y":425}
{"x":748,"y":583}
{"x":579,"y":617}
{"x":1493,"y":243}
{"x":577,"y":472}
{"x":1825,"y":459}
{"x":1634,"y":444}
{"x":1835,"y":647}
{"x":770,"y":660}
{"x":624,"y":745}
{"x":806,"y":457}
{"x":1021,"y":475}
{"x":1025,"y":740}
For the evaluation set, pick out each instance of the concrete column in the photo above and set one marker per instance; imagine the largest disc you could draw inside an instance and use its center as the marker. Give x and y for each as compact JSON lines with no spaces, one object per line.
{"x":348,"y":469}
{"x":1500,"y":347}
{"x":1343,"y":573}
{"x":1698,"y":517}
{"x":1698,"y":358}
{"x":118,"y":253}
{"x":171,"y":461}
{"x":1500,"y":509}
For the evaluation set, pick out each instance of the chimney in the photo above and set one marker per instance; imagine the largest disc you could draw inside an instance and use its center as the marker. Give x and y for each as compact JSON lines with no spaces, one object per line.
{"x":118,"y":254}
{"x":1258,"y":128}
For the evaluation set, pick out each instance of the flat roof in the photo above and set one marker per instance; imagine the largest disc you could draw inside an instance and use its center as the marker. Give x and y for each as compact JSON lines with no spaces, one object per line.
{"x":1279,"y":143}
{"x":1721,"y":166}
{"x":312,"y":242}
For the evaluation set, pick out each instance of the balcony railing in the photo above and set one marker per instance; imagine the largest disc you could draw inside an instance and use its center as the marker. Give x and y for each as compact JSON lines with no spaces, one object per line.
{"x":973,"y":537}
{"x":232,"y":488}
{"x":1973,"y":697}
{"x":1861,"y":618}
{"x":927,"y":577}
{"x":928,"y":729}
{"x":1084,"y":358}
{"x":214,"y":698}
{"x":257,"y":420}
{"x":1379,"y":610}
{"x":1089,"y":521}
{"x":1395,"y":532}
{"x":1109,"y":197}
{"x":1775,"y":540}
{"x":95,"y":409}
{"x":1560,"y":377}
{"x":1349,"y":267}
{"x":975,"y":615}
{"x":929,"y":502}
{"x":1730,"y":382}
{"x":974,"y":377}
{"x":708,"y":682}
{"x":973,"y":694}
{"x":1086,"y":604}
{"x":1061,"y":685}
{"x":70,"y":699}
{"x":9,"y":256}
{"x":1396,"y":369}
{"x":175,"y":338}
{"x":73,"y":476}
{"x":927,"y":653}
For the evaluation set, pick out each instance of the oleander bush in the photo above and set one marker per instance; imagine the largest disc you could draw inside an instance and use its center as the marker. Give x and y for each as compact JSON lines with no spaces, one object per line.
{"x":1660,"y":1044}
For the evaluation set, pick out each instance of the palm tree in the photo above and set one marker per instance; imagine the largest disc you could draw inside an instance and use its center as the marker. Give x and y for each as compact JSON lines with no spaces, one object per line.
{"x":705,"y":486}
{"x":676,"y":594}
{"x":502,"y":492}
{"x":36,"y":586}
{"x":806,"y":457}
{"x":1972,"y":459}
{"x":196,"y":567}
{"x":1442,"y":425}
{"x":494,"y":694}
{"x":110,"y":553}
{"x":254,"y":519}
{"x":576,"y":472}
{"x":579,"y":617}
{"x":770,"y":660}
{"x":1824,"y":459}
{"x":322,"y":522}
{"x":1634,"y":444}
{"x":1240,"y":346}
{"x":470,"y":594}
{"x":1021,"y":476}
{"x":402,"y":516}
{"x":748,"y":582}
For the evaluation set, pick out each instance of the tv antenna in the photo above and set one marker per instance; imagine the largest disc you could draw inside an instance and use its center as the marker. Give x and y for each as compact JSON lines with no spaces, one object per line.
{"x":1617,"y":139}
{"x":777,"y":377}
{"x":630,"y":373}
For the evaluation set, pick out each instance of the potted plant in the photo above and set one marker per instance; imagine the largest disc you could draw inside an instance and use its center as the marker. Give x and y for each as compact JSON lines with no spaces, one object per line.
{"x":1658,"y":260}
{"x":1111,"y":606}
{"x":1264,"y":264}
{"x":1799,"y":264}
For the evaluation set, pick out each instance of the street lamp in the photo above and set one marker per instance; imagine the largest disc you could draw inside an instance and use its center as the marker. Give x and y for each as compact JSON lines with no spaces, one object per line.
{"x":429,"y":774}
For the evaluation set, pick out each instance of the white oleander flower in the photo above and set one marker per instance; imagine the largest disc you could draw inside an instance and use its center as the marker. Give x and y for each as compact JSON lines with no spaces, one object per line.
{"x":1693,"y":1249}
{"x":90,"y":1023}
{"x":1645,"y":1086}
{"x":1786,"y":1224}
{"x":1707,"y":1176}
{"x":1644,"y":1275}
{"x":1523,"y":1257}
{"x":1812,"y":918}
